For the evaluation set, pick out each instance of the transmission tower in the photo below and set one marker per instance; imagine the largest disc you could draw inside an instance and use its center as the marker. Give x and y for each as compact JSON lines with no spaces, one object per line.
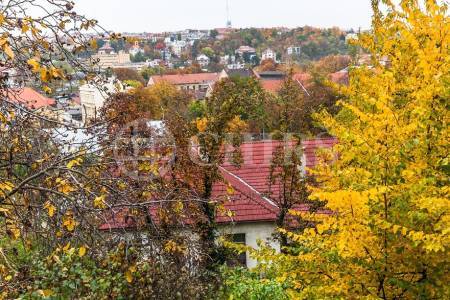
{"x":228,"y":15}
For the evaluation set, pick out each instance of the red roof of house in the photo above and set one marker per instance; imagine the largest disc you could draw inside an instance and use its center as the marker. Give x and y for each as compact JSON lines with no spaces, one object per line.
{"x":30,"y":98}
{"x":251,"y":200}
{"x":340,"y":77}
{"x":180,"y":79}
{"x":274,"y":85}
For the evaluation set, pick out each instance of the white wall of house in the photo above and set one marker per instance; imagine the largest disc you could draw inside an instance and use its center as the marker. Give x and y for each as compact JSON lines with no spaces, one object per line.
{"x":253,"y":232}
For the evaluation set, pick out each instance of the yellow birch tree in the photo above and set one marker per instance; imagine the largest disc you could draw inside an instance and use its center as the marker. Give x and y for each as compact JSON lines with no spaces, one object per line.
{"x":388,"y":236}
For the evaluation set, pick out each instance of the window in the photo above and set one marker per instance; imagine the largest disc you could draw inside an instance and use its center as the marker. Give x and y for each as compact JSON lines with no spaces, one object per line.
{"x":239,"y":259}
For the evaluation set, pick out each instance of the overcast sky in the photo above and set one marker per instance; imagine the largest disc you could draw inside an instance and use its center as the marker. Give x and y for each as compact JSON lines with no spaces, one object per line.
{"x":167,"y":15}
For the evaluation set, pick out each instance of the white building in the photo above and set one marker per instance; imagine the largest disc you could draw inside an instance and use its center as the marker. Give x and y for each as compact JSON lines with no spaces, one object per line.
{"x":294,"y":50}
{"x":269,"y":54}
{"x":93,"y":97}
{"x":178,"y":47}
{"x":203,"y":60}
{"x":108,"y":58}
{"x":136,"y":49}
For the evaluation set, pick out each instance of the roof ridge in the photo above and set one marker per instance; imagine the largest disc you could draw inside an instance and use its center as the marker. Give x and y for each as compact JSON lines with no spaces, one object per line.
{"x":263,"y":200}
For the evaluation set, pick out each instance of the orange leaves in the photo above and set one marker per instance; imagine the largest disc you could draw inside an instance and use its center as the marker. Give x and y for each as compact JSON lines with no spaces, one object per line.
{"x":201,"y":124}
{"x":64,"y":186}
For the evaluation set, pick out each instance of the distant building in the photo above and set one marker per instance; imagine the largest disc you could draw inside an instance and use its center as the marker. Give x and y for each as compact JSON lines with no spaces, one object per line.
{"x":93,"y":97}
{"x":199,"y":84}
{"x":245,"y":50}
{"x":351,"y":36}
{"x":269,"y":54}
{"x":178,"y":47}
{"x":31,"y":99}
{"x":203,"y":60}
{"x":108,"y":58}
{"x":136,"y":49}
{"x":294,"y":50}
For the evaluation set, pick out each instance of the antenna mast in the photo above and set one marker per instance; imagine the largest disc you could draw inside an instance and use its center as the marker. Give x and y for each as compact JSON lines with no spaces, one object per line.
{"x":228,"y":15}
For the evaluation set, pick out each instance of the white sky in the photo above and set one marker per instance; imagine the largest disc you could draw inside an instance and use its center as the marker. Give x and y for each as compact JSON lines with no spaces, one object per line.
{"x":167,"y":15}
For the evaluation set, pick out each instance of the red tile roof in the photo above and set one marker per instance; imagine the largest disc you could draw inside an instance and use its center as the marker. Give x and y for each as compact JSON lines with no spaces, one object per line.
{"x":274,"y":85}
{"x":340,"y":77}
{"x":250,"y":200}
{"x":181,"y":79}
{"x":30,"y":98}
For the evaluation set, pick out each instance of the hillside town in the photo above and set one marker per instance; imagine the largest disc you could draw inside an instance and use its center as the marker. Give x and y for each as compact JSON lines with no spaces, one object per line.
{"x":277,"y":162}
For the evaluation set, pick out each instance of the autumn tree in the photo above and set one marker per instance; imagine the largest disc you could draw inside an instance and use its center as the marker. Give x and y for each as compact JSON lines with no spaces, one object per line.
{"x":124,"y":74}
{"x":220,"y":121}
{"x":64,"y":206}
{"x":388,"y":237}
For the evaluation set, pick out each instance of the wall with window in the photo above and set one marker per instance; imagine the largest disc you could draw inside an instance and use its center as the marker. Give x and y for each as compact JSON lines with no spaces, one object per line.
{"x":251,"y":233}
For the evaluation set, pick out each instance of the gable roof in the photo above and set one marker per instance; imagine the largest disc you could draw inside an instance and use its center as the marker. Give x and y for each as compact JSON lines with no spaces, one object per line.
{"x":30,"y":98}
{"x":250,"y":200}
{"x":181,"y":79}
{"x":274,"y":85}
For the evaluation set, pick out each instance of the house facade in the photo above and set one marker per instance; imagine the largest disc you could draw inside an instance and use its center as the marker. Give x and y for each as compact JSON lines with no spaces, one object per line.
{"x":199,"y":84}
{"x":203,"y":60}
{"x":269,"y":54}
{"x":108,"y":58}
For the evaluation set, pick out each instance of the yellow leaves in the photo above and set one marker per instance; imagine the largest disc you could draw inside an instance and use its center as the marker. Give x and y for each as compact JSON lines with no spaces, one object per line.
{"x":99,"y":202}
{"x":13,"y":231}
{"x":172,"y":247}
{"x":74,"y":162}
{"x":45,"y":74}
{"x":25,"y":28}
{"x":93,"y":44}
{"x":69,"y":222}
{"x":6,"y":186}
{"x":50,"y":209}
{"x":237,"y":125}
{"x":34,"y":64}
{"x":148,"y":166}
{"x":129,"y":276}
{"x":64,"y":186}
{"x":82,"y":251}
{"x":178,"y":207}
{"x":7,"y":49}
{"x":2,"y":18}
{"x":201,"y":124}
{"x":47,"y":89}
{"x":66,"y":248}
{"x":230,"y":189}
{"x":45,"y":293}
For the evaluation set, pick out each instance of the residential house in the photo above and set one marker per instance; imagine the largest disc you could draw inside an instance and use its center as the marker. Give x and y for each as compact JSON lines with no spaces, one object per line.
{"x":30,"y":98}
{"x":200,"y":84}
{"x":178,"y":47}
{"x":245,"y":51}
{"x":93,"y":97}
{"x":271,"y":81}
{"x":136,"y":49}
{"x":250,"y":209}
{"x":269,"y":54}
{"x":203,"y":60}
{"x":294,"y":50}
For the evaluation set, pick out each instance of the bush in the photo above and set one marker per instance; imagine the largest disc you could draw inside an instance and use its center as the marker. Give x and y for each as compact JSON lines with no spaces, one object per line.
{"x":241,"y":283}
